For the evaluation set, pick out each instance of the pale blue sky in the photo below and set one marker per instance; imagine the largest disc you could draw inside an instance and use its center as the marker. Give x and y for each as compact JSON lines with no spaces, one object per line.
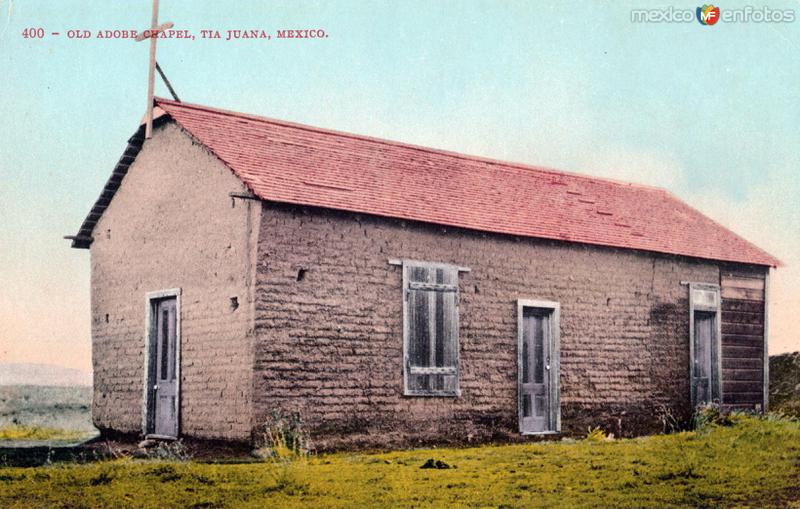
{"x":711,"y":113}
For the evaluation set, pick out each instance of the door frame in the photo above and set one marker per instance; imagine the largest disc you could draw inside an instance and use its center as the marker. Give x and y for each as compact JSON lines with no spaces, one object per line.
{"x":554,"y":417}
{"x":714,"y":307}
{"x":151,"y":300}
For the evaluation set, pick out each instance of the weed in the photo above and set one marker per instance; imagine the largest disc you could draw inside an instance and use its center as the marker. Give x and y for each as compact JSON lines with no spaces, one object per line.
{"x":437,"y":464}
{"x":165,"y":473}
{"x":101,"y":479}
{"x":671,"y":422}
{"x":282,"y":438}
{"x":41,"y":476}
{"x":683,"y":473}
{"x":287,"y":481}
{"x":205,"y":504}
{"x":200,"y":478}
{"x":169,"y":451}
{"x":780,"y":416}
{"x":710,"y":414}
{"x":598,"y":435}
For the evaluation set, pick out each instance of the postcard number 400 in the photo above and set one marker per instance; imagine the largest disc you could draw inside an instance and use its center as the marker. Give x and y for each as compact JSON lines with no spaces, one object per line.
{"x":33,"y":33}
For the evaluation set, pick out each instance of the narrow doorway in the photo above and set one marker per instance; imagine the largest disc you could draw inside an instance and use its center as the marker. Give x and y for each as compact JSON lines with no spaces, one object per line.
{"x":538,"y":367}
{"x":704,"y":344}
{"x":162,"y":367}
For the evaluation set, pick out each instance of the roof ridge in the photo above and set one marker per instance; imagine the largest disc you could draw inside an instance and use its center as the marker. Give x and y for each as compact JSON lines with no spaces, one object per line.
{"x":450,"y":153}
{"x":476,"y":192}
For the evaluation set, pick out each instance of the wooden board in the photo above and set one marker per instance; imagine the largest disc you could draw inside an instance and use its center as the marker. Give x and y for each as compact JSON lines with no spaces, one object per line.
{"x":743,"y":320}
{"x":743,"y":282}
{"x":742,"y":329}
{"x":754,"y":398}
{"x":738,"y":363}
{"x":741,"y":387}
{"x":746,"y":306}
{"x":749,"y":341}
{"x":742,"y":274}
{"x":732,"y":292}
{"x":743,"y":317}
{"x":741,"y":374}
{"x":741,"y":352}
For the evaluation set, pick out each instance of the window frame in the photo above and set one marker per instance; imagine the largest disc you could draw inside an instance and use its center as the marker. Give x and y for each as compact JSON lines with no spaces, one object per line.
{"x":406,"y":265}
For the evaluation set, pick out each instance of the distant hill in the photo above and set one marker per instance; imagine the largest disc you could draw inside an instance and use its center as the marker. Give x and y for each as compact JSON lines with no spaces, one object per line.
{"x":42,"y":374}
{"x":784,"y":383}
{"x":67,"y":408}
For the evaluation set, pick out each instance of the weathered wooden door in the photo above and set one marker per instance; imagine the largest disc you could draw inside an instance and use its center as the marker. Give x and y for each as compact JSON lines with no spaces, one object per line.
{"x":704,"y":341}
{"x":536,"y":371}
{"x":165,"y":385}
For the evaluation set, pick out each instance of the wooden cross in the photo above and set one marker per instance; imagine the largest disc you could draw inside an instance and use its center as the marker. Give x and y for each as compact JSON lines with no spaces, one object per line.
{"x":152,"y":34}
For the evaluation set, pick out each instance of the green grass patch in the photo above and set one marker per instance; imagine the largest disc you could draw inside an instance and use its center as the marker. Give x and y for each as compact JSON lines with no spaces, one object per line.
{"x":751,"y":462}
{"x":34,"y":433}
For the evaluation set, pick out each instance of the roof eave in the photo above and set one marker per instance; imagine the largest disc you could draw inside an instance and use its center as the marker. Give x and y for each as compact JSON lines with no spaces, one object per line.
{"x":83,"y":239}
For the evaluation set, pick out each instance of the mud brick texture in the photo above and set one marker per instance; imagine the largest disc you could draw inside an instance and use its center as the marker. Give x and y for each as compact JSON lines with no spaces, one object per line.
{"x":316,"y":328}
{"x":160,"y":233}
{"x":329,"y":330}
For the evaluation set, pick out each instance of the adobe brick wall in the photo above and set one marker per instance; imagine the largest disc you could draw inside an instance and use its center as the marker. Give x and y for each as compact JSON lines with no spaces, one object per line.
{"x":173,"y":225}
{"x":329,"y":346}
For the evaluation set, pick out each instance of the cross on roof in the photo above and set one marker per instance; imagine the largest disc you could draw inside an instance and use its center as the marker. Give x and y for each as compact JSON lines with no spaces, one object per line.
{"x":152,"y":34}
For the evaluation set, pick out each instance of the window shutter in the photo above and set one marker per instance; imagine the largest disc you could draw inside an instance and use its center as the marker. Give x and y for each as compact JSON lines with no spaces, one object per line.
{"x":431,"y":329}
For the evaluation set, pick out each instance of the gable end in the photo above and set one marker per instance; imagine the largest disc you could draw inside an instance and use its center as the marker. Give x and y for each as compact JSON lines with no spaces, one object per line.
{"x":83,"y":239}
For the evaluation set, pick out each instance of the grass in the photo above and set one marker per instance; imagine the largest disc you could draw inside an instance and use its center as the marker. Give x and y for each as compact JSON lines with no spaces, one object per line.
{"x":32,"y":433}
{"x":49,"y":415}
{"x":755,"y":463}
{"x":67,"y":408}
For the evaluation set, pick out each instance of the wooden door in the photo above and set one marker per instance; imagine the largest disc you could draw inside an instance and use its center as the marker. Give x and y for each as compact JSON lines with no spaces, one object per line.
{"x":165,"y":385}
{"x":536,"y":377}
{"x":704,"y":341}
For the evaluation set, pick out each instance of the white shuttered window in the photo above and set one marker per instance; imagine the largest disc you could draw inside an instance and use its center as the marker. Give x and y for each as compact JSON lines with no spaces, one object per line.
{"x":430,"y":320}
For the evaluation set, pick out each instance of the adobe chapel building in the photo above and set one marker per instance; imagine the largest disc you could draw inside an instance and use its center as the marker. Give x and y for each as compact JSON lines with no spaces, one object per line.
{"x":391,"y":295}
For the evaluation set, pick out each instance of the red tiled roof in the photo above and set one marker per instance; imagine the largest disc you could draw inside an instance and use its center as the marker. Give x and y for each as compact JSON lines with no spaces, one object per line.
{"x":290,"y":163}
